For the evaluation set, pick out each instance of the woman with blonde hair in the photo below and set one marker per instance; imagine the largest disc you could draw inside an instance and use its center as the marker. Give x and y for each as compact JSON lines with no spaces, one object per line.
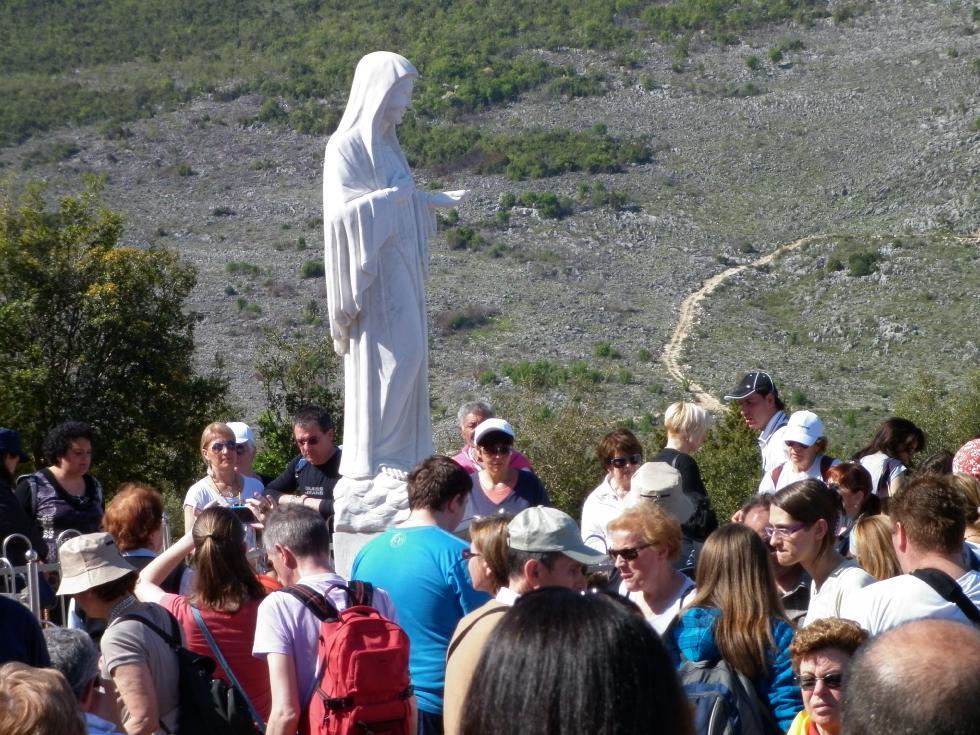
{"x":487,"y":556}
{"x":687,"y":427}
{"x":223,"y":484}
{"x":970,"y":487}
{"x":37,"y":702}
{"x":224,"y":602}
{"x":736,"y":615}
{"x":643,"y":543}
{"x":871,"y":546}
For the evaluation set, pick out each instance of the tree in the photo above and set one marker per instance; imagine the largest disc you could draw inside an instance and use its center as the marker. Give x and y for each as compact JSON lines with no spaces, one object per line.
{"x":729,"y":462}
{"x":95,"y":331}
{"x":950,"y":416}
{"x":293,"y":373}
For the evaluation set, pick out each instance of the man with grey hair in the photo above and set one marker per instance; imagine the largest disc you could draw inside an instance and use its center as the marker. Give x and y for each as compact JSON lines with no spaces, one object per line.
{"x":544,"y":549}
{"x":287,"y":631}
{"x":75,"y":655}
{"x":919,"y":678}
{"x":471,"y":415}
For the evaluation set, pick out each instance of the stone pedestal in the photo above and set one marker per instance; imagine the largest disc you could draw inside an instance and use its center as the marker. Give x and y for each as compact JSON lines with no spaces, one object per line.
{"x":362,"y":510}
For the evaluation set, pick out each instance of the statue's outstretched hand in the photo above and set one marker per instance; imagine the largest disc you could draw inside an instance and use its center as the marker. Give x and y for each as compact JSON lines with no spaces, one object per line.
{"x":448,"y":198}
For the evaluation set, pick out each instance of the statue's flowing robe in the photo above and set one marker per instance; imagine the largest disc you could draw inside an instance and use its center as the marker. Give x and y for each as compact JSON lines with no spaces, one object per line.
{"x":376,"y":255}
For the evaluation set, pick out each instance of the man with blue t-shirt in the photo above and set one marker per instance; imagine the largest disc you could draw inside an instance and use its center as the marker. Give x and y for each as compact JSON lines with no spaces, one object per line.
{"x":420,"y":563}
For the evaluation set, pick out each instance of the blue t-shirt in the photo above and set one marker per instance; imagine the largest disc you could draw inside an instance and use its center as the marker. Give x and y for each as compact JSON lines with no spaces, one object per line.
{"x":423,"y":570}
{"x":528,"y":492}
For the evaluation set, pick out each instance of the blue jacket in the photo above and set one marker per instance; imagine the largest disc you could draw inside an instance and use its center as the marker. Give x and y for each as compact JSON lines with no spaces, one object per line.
{"x":693,"y":635}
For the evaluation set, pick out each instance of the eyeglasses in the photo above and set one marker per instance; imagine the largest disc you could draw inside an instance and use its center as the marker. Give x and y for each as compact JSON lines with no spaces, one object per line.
{"x":219,"y":447}
{"x":807,"y":682}
{"x":467,"y":554}
{"x":797,"y":445}
{"x":499,"y":450}
{"x":308,"y":441}
{"x":620,"y":462}
{"x":777,"y":531}
{"x":627,"y":554}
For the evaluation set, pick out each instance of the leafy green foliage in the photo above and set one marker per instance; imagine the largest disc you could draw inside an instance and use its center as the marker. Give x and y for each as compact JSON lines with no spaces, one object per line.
{"x":862,"y":264}
{"x":724,"y":19}
{"x":313,"y":269}
{"x":294,"y":372}
{"x":949,"y":418}
{"x":729,"y":462}
{"x":95,"y":331}
{"x":243,"y":267}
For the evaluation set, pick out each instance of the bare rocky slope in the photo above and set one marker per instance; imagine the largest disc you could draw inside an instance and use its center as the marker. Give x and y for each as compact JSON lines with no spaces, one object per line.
{"x":868,"y":128}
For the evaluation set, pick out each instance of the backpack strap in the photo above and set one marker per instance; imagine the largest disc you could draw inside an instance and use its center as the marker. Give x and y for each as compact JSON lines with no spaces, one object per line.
{"x":884,"y":480}
{"x":950,"y":590}
{"x":172,"y":639}
{"x":213,"y":645}
{"x":316,"y":603}
{"x":358,"y":592}
{"x":459,"y":639}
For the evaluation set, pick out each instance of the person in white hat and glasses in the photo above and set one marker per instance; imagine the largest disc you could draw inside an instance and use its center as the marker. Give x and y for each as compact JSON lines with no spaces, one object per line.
{"x":805,"y":446}
{"x":244,"y":448}
{"x":140,"y":663}
{"x":498,"y":487}
{"x":763,"y":411}
{"x":545,"y":549}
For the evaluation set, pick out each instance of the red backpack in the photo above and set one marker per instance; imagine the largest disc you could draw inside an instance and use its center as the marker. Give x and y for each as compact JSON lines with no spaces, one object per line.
{"x":362,"y":682}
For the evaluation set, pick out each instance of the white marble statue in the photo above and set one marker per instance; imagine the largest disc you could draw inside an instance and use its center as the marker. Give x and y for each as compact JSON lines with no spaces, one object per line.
{"x":377,"y":226}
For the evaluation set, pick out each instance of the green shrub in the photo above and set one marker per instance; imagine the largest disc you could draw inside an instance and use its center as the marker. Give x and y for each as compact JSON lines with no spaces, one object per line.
{"x":313,"y":269}
{"x":605,"y":350}
{"x":486,"y":377}
{"x":222,"y":212}
{"x":51,"y":153}
{"x":184,"y":169}
{"x":242,"y":267}
{"x":862,"y":264}
{"x":752,"y":62}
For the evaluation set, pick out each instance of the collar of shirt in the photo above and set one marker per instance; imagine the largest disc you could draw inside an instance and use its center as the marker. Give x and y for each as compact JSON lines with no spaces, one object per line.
{"x":777,"y":421}
{"x":507,"y":596}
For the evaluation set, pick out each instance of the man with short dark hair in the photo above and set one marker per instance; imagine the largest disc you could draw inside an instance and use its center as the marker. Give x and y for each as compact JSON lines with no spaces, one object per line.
{"x":929,"y":520}
{"x":420,"y":562}
{"x":762,"y":409}
{"x":920,"y":678}
{"x":312,"y":475}
{"x":286,"y":631}
{"x":545,"y":549}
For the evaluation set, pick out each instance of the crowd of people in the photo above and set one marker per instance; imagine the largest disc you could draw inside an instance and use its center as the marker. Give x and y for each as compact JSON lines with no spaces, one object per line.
{"x":841,"y":596}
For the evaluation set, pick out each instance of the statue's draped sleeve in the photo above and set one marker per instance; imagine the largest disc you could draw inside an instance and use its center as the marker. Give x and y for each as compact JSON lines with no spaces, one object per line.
{"x":359,"y":217}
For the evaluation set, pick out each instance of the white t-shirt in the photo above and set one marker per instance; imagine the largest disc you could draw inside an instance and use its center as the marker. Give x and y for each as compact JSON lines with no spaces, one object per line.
{"x":285,"y":625}
{"x":660,"y":622}
{"x":787,"y":475}
{"x":601,"y":506}
{"x":875,"y":464}
{"x":203,"y":492}
{"x":842,"y":583}
{"x":771,"y":444}
{"x":901,"y":599}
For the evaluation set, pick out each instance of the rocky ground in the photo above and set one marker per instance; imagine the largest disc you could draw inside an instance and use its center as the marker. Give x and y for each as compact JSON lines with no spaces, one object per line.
{"x":869,"y":128}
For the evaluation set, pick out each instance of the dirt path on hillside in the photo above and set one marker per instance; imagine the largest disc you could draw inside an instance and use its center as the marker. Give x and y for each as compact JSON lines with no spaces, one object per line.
{"x":671,"y":355}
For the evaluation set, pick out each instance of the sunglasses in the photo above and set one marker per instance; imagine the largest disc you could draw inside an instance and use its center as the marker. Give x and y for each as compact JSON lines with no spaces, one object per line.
{"x":807,"y":682}
{"x":781,"y":531}
{"x":620,"y":462}
{"x":627,"y":554}
{"x":467,"y":554}
{"x":499,"y":450}
{"x":219,"y":447}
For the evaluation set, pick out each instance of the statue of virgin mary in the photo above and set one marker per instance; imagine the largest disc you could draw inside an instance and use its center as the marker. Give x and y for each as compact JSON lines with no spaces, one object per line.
{"x":377,"y":226}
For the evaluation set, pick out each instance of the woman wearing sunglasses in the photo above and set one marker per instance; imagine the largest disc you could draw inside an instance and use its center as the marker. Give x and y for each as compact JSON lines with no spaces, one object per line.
{"x":619,"y":453}
{"x":687,"y":426}
{"x":498,"y":487}
{"x":803,"y":522}
{"x":736,"y":615}
{"x":643,"y":543}
{"x":821,"y":653}
{"x":223,"y":484}
{"x":806,"y":456}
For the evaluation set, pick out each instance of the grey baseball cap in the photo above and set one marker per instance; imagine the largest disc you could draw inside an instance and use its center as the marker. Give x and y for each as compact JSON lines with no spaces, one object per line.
{"x":541,"y":529}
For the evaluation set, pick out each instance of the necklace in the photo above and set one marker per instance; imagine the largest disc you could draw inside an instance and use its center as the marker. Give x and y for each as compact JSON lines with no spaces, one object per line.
{"x":231,"y":491}
{"x":122,"y":606}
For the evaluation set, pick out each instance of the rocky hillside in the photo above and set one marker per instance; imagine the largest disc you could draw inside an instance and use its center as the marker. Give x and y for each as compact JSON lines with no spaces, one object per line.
{"x":861,"y":130}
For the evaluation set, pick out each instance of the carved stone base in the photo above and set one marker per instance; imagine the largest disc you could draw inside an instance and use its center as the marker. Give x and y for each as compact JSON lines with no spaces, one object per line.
{"x":362,"y":510}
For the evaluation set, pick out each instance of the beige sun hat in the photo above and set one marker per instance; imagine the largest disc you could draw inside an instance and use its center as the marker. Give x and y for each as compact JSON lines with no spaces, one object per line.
{"x":89,"y":561}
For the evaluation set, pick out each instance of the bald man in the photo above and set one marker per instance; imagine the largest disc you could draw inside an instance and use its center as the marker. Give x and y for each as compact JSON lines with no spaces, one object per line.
{"x":920,"y":678}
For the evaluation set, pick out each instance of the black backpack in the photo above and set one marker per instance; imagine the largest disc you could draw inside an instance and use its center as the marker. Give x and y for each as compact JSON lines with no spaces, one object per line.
{"x":208,"y":706}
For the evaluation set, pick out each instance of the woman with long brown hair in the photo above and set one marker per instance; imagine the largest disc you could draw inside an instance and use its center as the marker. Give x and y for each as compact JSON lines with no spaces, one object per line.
{"x":736,"y":615}
{"x":225,"y":594}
